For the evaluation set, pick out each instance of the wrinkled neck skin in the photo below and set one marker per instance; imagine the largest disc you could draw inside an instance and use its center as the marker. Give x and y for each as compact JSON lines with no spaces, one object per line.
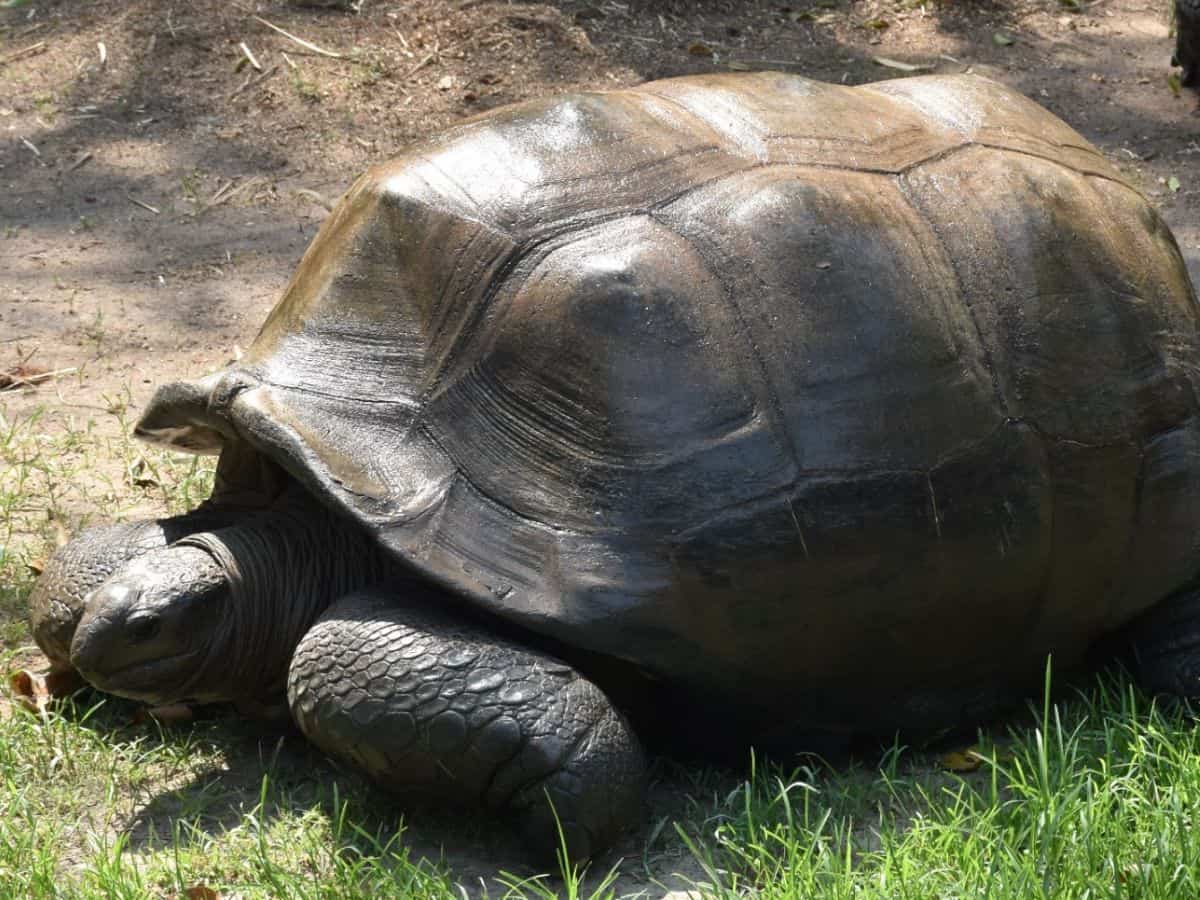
{"x":283,"y":568}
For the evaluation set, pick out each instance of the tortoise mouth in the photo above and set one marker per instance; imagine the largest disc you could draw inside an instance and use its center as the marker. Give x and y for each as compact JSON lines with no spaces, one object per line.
{"x":161,"y":680}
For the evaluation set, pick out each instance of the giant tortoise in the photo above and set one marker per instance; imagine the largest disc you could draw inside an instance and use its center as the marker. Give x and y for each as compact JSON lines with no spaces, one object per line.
{"x":787,"y":409}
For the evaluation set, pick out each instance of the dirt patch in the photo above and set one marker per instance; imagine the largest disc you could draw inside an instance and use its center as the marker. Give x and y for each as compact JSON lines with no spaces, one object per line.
{"x":164,"y":164}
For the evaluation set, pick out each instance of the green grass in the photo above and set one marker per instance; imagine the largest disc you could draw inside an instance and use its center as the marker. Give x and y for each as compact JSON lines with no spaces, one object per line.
{"x":1097,"y":798}
{"x":1096,"y":794}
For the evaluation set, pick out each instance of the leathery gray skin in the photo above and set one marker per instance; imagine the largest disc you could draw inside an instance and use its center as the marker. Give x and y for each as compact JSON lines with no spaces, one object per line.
{"x":380,"y":671}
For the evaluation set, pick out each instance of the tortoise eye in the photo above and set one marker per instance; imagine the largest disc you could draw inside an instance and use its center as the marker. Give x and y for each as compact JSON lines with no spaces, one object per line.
{"x":142,"y":628}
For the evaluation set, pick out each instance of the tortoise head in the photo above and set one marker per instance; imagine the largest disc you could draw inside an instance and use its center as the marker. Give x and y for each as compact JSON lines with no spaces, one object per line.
{"x":150,"y":631}
{"x":217,"y":615}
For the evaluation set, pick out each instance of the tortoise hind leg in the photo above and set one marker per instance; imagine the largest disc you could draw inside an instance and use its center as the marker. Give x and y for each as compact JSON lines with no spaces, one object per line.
{"x":433,"y":705}
{"x":1164,"y":646}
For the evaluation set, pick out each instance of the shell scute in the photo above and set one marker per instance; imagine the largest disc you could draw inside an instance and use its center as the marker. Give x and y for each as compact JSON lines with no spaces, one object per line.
{"x":614,"y":391}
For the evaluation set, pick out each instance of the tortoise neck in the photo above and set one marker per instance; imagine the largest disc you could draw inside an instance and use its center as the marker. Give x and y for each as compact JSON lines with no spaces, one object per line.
{"x":284,"y":567}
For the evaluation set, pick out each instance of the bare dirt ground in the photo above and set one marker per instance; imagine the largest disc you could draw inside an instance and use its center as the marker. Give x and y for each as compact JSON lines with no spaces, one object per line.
{"x":157,"y":186}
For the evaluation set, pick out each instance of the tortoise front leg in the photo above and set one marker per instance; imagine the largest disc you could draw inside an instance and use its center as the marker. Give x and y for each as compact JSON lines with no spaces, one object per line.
{"x":430,"y":704}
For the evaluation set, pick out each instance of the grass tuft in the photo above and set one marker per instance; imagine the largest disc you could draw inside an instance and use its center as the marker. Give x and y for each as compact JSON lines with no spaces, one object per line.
{"x":1096,"y":798}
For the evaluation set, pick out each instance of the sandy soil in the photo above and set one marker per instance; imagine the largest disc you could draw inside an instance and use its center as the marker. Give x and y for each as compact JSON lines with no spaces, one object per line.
{"x":157,"y":187}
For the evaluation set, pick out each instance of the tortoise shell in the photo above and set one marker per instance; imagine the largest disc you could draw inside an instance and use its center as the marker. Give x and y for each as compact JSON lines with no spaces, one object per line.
{"x":849,"y":397}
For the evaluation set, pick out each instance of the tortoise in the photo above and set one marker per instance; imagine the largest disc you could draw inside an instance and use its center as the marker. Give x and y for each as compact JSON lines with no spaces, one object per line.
{"x":754,"y":407}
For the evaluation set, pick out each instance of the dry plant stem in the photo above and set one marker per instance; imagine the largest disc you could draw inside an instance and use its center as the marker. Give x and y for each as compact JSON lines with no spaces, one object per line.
{"x":19,"y":54}
{"x":418,"y":67}
{"x":307,"y":45}
{"x":31,"y":380}
{"x":136,"y":202}
{"x":253,"y":80}
{"x":250,"y":57}
{"x":219,"y":196}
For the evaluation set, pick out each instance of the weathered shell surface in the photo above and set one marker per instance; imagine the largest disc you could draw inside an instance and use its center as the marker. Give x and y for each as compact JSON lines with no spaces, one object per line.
{"x":842,"y":396}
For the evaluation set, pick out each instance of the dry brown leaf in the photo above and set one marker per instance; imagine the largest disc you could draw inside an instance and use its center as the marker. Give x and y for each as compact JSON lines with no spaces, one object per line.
{"x":201,"y":892}
{"x":699,"y":48}
{"x":29,"y":690}
{"x":35,"y":690}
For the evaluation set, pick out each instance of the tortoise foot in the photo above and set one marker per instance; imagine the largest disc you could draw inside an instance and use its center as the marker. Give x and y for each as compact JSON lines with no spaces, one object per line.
{"x":431,"y":705}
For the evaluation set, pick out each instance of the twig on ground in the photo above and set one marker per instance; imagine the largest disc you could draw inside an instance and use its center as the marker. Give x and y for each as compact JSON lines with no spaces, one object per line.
{"x":418,"y":67}
{"x":103,"y":51}
{"x":28,"y":51}
{"x":82,"y":161}
{"x":32,"y":149}
{"x":316,"y":198}
{"x":307,"y":45}
{"x":136,"y":202}
{"x":250,"y":56}
{"x":219,"y":196}
{"x":18,"y":377}
{"x":243,"y":187}
{"x":253,"y":80}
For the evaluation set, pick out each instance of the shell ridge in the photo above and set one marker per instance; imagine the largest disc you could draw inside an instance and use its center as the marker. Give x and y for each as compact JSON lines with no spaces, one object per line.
{"x":777,"y":418}
{"x":755,"y":153}
{"x":454,"y":183}
{"x":461,"y":475}
{"x":468,"y":317}
{"x":1109,"y":175}
{"x":918,"y":207}
{"x":307,"y":388}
